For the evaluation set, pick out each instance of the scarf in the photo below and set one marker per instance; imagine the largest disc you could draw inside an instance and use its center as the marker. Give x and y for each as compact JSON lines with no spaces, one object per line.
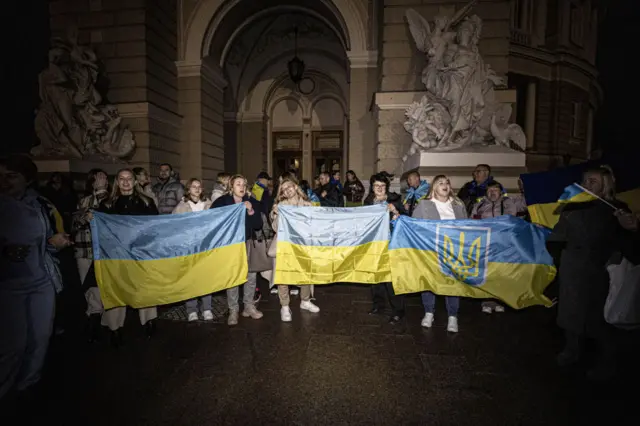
{"x":418,"y":193}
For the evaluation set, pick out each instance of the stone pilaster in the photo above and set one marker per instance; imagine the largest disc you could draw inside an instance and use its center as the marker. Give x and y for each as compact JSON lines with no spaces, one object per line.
{"x":201,"y":87}
{"x":363,"y":77}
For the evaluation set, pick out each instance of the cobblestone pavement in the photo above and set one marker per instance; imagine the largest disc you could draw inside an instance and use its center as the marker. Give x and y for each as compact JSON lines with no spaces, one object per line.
{"x":341,"y":366}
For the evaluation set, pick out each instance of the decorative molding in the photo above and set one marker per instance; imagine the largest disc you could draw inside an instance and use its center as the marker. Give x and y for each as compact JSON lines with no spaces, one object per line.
{"x":148,"y":110}
{"x":204,"y":68}
{"x":251,"y":117}
{"x":363,"y":59}
{"x":231,"y":116}
{"x":402,"y":100}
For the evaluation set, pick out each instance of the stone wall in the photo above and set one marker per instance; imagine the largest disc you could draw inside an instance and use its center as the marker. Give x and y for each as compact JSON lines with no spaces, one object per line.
{"x":136,"y":41}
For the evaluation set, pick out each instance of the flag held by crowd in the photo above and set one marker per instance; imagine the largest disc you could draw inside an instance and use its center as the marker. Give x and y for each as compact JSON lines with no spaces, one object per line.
{"x":144,"y":261}
{"x":318,"y":245}
{"x":503,"y":258}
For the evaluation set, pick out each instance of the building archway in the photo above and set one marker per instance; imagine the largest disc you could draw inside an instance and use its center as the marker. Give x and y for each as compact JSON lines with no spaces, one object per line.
{"x":235,"y":51}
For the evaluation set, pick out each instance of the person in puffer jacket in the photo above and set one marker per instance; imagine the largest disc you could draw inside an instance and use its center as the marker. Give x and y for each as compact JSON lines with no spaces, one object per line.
{"x":169,"y":191}
{"x":494,"y":204}
{"x":221,"y":187}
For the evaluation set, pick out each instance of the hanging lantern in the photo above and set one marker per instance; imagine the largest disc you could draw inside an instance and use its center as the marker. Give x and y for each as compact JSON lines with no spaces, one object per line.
{"x":296,"y":65}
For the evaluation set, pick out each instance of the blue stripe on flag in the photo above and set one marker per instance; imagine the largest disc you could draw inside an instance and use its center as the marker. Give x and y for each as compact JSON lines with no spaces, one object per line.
{"x":507,"y":239}
{"x":333,"y":227}
{"x":571,"y":191}
{"x":160,"y":237}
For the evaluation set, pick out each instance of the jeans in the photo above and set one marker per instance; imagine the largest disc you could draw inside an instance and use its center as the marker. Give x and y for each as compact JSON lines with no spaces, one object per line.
{"x":249,"y":290}
{"x":283,"y":294}
{"x":192,"y":304}
{"x":429,"y":303}
{"x":26,"y":324}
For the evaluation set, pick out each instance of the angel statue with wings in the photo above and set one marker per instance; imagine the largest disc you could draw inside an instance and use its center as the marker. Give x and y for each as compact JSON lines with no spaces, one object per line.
{"x":460,"y":87}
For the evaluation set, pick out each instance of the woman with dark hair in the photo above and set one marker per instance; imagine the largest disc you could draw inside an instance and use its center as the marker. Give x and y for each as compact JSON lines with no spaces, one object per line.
{"x":30,"y":277}
{"x":379,"y":194}
{"x":127,"y":198}
{"x":586,"y":237}
{"x":353,"y":190}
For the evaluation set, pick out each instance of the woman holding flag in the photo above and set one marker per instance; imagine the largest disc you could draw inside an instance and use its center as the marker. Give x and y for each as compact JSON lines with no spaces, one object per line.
{"x":290,"y":194}
{"x":379,"y":194}
{"x":586,"y":236}
{"x":238,"y":194}
{"x":440,"y":204}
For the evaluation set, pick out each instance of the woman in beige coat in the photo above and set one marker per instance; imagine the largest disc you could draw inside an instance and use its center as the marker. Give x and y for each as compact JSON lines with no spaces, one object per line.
{"x":290,"y":194}
{"x":194,"y":200}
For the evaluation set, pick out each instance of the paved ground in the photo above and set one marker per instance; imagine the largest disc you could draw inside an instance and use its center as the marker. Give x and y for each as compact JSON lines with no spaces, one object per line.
{"x":338,"y":367}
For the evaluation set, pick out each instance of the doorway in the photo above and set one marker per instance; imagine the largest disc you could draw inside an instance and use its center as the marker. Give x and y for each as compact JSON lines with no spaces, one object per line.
{"x":328,"y":152}
{"x":287,"y":153}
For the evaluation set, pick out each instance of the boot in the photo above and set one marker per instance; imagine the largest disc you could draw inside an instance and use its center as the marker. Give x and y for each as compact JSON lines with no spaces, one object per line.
{"x":115,"y":338}
{"x":94,"y":328}
{"x":150,"y":328}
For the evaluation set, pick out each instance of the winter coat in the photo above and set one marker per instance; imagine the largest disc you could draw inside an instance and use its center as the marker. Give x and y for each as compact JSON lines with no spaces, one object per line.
{"x":253,"y":223}
{"x":427,"y":209}
{"x":185,"y":207}
{"x":354,"y":191}
{"x":486,"y":208}
{"x":168,"y":195}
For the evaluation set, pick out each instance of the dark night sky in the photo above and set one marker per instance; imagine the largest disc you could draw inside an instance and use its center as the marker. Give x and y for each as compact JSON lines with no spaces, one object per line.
{"x":27,"y":35}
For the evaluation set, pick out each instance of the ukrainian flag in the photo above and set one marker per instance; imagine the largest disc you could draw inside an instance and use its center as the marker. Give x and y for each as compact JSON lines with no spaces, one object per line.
{"x":143,"y":261}
{"x":321,"y":245}
{"x":546,"y":191}
{"x":503,"y":258}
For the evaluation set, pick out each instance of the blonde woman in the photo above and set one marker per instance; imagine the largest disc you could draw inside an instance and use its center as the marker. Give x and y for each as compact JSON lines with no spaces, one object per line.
{"x":221,"y":187}
{"x":238,"y":194}
{"x":440,"y":204}
{"x":194,"y":200}
{"x":290,"y":194}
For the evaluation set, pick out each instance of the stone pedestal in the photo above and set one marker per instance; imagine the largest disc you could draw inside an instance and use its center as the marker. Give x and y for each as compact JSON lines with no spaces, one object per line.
{"x":506,"y":165}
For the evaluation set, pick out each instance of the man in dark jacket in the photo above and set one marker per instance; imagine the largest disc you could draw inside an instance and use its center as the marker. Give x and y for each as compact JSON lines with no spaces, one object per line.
{"x":169,"y":191}
{"x":328,"y":192}
{"x":475,"y":190}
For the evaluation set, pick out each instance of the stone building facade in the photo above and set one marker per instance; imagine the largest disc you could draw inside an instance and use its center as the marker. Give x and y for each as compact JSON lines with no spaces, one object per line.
{"x":204,"y":83}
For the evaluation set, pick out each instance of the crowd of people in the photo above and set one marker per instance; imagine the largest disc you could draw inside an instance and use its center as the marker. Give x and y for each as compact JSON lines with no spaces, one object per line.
{"x":41,"y":224}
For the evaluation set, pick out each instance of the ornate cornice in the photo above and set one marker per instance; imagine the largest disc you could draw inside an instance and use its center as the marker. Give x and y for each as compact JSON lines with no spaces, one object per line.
{"x":363,"y":59}
{"x":204,"y":68}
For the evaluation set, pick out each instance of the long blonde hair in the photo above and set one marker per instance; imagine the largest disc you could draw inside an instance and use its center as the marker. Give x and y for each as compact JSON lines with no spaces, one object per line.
{"x":280,"y":196}
{"x":137,"y":190}
{"x":608,"y":181}
{"x":452,"y":196}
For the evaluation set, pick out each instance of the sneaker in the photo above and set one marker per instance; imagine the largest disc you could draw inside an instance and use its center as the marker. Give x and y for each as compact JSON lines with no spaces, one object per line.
{"x":193,"y":316}
{"x":251,"y":311}
{"x":487,"y":310}
{"x":309,"y":306}
{"x":274,"y":290}
{"x":499,"y":308}
{"x":294,"y":292}
{"x":452,"y":325}
{"x":233,"y":317}
{"x":285,"y":314}
{"x":257,"y":296}
{"x":427,"y":321}
{"x":207,"y":316}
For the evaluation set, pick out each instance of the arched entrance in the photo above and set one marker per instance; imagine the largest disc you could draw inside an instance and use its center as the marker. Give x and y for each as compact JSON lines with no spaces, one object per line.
{"x":241,"y":112}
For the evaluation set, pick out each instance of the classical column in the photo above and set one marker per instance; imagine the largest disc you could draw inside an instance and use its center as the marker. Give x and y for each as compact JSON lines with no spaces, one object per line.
{"x":362,"y":125}
{"x":530,"y":118}
{"x":201,"y":85}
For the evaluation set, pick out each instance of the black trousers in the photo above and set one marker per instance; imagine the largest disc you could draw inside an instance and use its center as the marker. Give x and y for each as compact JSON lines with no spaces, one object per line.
{"x":383,"y":291}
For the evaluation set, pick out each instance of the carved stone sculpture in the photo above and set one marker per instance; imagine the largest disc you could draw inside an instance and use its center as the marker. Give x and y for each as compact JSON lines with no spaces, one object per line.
{"x":72,"y":120}
{"x":459,"y":108}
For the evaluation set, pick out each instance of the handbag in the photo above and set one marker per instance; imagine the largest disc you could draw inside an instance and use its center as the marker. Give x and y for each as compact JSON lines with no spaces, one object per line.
{"x":257,"y":256}
{"x":273,"y":247}
{"x":622,"y":308}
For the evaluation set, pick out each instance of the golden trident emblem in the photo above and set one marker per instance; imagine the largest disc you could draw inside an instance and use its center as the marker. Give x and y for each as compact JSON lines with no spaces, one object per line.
{"x":462,"y":267}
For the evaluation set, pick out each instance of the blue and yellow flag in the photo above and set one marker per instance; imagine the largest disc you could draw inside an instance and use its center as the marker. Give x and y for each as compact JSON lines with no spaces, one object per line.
{"x":503,"y":258}
{"x":257,"y":191}
{"x":143,"y":261}
{"x":321,"y":245}
{"x":546,"y":191}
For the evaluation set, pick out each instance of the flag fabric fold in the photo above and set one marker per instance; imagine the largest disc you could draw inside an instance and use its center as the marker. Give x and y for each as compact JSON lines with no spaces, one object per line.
{"x":143,"y":261}
{"x":319,"y":245}
{"x":503,"y":258}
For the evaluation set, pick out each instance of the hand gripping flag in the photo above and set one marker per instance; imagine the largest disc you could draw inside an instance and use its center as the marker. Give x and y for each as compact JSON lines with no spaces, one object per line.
{"x":143,"y":261}
{"x":503,"y":258}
